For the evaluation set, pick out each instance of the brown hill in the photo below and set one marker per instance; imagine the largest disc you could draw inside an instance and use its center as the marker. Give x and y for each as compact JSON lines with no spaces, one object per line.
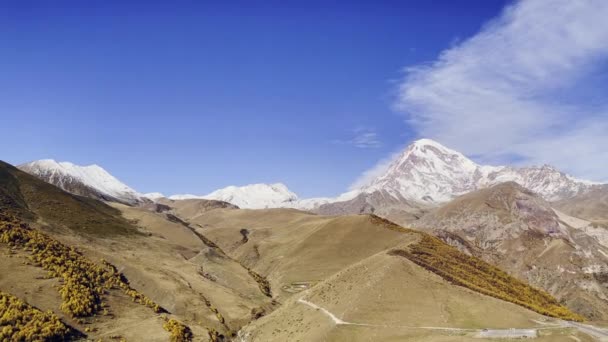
{"x":37,"y":201}
{"x":218,"y":270}
{"x":592,"y":205}
{"x":513,"y":228}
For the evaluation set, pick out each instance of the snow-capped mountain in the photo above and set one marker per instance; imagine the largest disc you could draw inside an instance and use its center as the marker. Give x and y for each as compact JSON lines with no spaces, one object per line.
{"x":430,"y":172}
{"x":90,"y":181}
{"x":426,"y":173}
{"x":253,"y":196}
{"x":154,"y":195}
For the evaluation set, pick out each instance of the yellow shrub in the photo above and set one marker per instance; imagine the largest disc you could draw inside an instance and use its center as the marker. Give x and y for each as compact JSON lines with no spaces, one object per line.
{"x":179,"y":332}
{"x":22,"y":322}
{"x":476,"y":274}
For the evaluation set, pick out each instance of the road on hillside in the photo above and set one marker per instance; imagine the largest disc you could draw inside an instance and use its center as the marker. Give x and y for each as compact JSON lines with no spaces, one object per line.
{"x":601,"y":334}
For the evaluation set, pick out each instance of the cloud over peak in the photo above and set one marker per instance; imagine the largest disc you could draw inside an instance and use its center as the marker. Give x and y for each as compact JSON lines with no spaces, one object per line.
{"x":362,"y":138}
{"x":518,"y":88}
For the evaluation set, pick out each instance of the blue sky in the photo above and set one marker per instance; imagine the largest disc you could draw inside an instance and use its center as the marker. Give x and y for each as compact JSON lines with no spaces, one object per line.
{"x":194,"y":96}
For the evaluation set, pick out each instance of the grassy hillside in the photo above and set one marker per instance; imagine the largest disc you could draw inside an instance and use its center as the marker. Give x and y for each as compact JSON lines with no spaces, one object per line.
{"x":383,"y":297}
{"x":477,"y":275}
{"x":84,"y":288}
{"x":29,"y":198}
{"x":519,"y":232}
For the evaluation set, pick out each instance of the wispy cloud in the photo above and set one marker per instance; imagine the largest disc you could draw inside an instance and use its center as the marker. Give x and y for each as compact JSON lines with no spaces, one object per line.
{"x":521,"y":87}
{"x":378,"y":170}
{"x":362,"y":138}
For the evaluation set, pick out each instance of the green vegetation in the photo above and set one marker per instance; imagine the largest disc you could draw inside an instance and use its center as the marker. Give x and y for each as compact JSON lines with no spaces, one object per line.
{"x":28,"y":198}
{"x":22,"y":322}
{"x":477,"y":275}
{"x":178,"y":331}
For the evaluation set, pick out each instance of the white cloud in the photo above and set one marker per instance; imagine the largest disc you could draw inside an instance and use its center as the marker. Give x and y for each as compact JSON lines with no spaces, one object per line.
{"x":518,"y":88}
{"x":374,"y":172}
{"x":362,"y":138}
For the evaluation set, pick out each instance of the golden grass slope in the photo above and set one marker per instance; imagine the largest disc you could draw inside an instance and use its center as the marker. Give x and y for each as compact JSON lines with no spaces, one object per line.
{"x":477,"y":275}
{"x":84,"y":283}
{"x":294,"y":249}
{"x":389,"y":298}
{"x":299,"y":249}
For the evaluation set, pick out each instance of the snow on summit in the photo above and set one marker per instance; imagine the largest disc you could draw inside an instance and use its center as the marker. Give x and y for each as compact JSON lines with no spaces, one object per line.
{"x":75,"y":178}
{"x":430,"y":172}
{"x":253,"y":196}
{"x":425,"y":172}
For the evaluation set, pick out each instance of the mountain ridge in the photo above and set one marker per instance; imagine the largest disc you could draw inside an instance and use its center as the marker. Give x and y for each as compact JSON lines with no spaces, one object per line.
{"x":425,"y":173}
{"x":428,"y":173}
{"x":90,"y":181}
{"x":518,"y":231}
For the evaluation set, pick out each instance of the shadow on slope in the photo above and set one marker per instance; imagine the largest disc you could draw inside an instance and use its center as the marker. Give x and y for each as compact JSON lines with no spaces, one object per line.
{"x":31,"y":199}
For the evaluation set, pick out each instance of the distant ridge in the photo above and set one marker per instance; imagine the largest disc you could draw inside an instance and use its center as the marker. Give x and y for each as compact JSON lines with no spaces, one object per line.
{"x":90,"y":181}
{"x":428,"y":173}
{"x":253,"y":196}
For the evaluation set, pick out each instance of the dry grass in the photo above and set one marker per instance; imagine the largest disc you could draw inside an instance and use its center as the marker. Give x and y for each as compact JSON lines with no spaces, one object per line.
{"x":477,"y":275}
{"x":84,"y":283}
{"x":30,"y":198}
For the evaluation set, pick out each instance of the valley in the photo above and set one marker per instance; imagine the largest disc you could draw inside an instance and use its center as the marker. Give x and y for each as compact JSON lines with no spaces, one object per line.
{"x":476,"y":257}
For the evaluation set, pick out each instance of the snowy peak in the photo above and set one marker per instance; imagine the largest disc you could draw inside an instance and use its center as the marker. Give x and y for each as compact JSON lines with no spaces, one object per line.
{"x":253,"y":196}
{"x":153,"y":195}
{"x":430,"y":172}
{"x":91,"y":181}
{"x":426,"y":171}
{"x":547,"y":181}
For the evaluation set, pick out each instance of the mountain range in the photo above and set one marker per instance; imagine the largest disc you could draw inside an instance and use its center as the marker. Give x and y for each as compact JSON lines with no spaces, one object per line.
{"x":425,"y":173}
{"x":90,"y":181}
{"x":284,"y":270}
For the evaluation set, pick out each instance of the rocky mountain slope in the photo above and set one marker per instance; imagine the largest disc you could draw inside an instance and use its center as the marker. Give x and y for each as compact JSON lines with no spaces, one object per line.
{"x":91,"y":181}
{"x":515,"y":229}
{"x":425,"y":174}
{"x":591,"y":205}
{"x":428,"y":173}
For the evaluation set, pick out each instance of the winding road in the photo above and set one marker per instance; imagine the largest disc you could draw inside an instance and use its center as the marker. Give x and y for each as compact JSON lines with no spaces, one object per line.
{"x":601,"y":334}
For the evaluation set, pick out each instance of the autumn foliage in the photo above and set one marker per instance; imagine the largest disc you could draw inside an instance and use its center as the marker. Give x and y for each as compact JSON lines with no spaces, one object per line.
{"x":179,"y":332}
{"x":477,"y":275}
{"x":84,"y":282}
{"x":22,"y":322}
